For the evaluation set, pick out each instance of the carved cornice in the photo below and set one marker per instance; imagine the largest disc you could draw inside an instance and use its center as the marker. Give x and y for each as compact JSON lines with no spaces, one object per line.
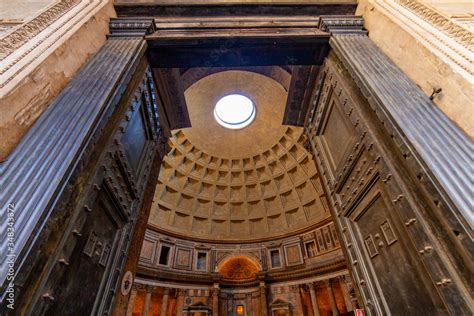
{"x":20,"y":35}
{"x":444,"y":24}
{"x":290,"y":274}
{"x":19,"y":54}
{"x":340,"y":24}
{"x":240,"y":241}
{"x":449,"y":41}
{"x":125,"y":27}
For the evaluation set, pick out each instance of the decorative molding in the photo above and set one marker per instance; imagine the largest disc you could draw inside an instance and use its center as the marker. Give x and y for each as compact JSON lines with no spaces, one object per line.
{"x":442,"y":23}
{"x":30,"y":50}
{"x":340,"y":24}
{"x":131,"y":27}
{"x":21,"y":34}
{"x":449,"y":41}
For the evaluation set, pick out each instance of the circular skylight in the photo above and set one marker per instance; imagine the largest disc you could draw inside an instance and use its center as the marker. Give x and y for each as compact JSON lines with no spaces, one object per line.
{"x":234,"y":111}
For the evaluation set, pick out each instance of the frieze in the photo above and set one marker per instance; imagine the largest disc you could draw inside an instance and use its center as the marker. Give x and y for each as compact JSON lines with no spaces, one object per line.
{"x":18,"y":37}
{"x":33,"y":49}
{"x":461,"y":35}
{"x":442,"y":36}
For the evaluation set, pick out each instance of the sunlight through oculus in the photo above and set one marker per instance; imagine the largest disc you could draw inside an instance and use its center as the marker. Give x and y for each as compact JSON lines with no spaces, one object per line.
{"x":234,"y":111}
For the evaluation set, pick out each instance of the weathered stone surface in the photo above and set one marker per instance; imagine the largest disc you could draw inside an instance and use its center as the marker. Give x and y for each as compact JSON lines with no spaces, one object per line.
{"x":24,"y":103}
{"x":421,"y":65}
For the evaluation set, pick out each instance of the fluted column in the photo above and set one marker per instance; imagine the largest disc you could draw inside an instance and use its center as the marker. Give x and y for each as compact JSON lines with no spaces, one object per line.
{"x":164,"y":303}
{"x":332,"y":299}
{"x":131,"y":300}
{"x":263,"y":298}
{"x":314,"y":301}
{"x":248,"y":303}
{"x":146,"y":305}
{"x":343,"y":281}
{"x":215,"y":300}
{"x":180,"y":303}
{"x":230,"y":304}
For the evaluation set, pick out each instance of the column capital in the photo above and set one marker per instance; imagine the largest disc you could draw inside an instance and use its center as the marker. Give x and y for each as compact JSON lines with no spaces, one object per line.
{"x":341,"y":25}
{"x":131,"y":27}
{"x":166,"y":291}
{"x":149,"y":288}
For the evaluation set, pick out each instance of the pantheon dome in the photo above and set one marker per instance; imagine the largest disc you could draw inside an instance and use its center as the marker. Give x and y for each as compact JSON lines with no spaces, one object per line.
{"x":236,"y":157}
{"x":256,"y":182}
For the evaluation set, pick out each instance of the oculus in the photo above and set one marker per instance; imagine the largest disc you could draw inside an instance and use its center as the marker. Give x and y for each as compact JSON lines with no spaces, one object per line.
{"x":234,"y":111}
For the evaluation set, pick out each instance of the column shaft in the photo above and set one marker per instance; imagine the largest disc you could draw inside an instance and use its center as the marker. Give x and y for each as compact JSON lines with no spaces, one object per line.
{"x":131,"y":300}
{"x":263,"y":299}
{"x":180,"y":303}
{"x":215,"y":300}
{"x":164,"y":303}
{"x":314,"y":301}
{"x":345,"y":292}
{"x":146,"y":305}
{"x":332,"y":299}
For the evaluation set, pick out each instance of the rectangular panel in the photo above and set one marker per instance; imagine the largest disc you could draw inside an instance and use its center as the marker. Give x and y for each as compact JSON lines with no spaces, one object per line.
{"x":293,"y":254}
{"x":183,"y":258}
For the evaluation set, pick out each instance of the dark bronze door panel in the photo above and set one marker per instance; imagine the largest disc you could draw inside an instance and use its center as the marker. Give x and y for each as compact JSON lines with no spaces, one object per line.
{"x":79,"y":287}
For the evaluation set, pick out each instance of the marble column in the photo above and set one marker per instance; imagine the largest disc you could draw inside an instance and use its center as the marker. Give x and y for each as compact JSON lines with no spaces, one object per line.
{"x":314,"y":301}
{"x":164,"y":302}
{"x":298,"y":304}
{"x":248,"y":304}
{"x":344,"y":282}
{"x":146,"y":305}
{"x":215,"y":300}
{"x":230,"y":304}
{"x":263,"y":299}
{"x":180,"y":303}
{"x":332,"y":299}
{"x":131,"y":300}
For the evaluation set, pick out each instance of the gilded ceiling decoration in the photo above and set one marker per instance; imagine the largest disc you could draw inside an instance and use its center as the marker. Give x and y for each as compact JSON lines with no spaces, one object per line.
{"x":218,"y":183}
{"x":238,"y":268}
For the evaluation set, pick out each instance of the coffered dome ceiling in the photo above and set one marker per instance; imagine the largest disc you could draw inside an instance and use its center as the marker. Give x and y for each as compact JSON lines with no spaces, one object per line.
{"x":252,"y":183}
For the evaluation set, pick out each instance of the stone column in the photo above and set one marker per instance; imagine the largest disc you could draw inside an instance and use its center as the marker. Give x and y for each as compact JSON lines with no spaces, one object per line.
{"x":146,"y":305}
{"x":164,"y":303}
{"x":248,"y":304}
{"x":314,"y":301}
{"x":180,"y":303}
{"x":332,"y":299}
{"x":263,"y":298}
{"x":344,"y":282}
{"x":215,"y":300}
{"x":230,"y":304}
{"x":131,"y":300}
{"x":298,"y":304}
